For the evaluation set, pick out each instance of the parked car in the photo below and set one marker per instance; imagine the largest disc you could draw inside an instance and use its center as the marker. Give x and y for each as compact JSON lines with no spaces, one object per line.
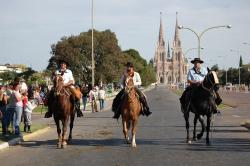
{"x":228,"y":86}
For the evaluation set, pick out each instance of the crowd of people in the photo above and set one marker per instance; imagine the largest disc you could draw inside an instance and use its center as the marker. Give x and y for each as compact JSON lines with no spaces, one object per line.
{"x":92,"y":95}
{"x":17,"y":101}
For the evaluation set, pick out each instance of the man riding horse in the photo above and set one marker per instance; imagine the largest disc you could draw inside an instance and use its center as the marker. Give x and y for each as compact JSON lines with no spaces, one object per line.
{"x":195,"y":77}
{"x":117,"y":103}
{"x":68,"y":81}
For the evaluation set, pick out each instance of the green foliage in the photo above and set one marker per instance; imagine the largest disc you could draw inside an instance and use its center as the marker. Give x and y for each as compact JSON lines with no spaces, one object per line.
{"x":233,"y":75}
{"x":146,"y":70}
{"x":8,"y":76}
{"x":241,"y":61}
{"x":109,"y":59}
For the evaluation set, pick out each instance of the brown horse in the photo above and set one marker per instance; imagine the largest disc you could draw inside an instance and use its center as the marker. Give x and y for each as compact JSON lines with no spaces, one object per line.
{"x":131,"y":109}
{"x":62,"y":109}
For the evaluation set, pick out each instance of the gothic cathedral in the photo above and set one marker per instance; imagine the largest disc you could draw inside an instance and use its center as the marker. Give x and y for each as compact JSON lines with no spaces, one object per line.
{"x":170,"y":69}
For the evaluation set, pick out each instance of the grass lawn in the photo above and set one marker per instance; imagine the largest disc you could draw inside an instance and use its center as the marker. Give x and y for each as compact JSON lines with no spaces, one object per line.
{"x":34,"y":127}
{"x":40,"y":109}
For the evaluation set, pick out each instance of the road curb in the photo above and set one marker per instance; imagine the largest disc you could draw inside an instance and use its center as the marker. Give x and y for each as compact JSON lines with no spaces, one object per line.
{"x":26,"y":137}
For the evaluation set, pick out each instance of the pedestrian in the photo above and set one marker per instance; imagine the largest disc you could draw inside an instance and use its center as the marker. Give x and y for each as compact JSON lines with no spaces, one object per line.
{"x":85,"y":94}
{"x":92,"y":99}
{"x":4,"y":114}
{"x":17,"y":105}
{"x":28,"y":108}
{"x":101,"y":97}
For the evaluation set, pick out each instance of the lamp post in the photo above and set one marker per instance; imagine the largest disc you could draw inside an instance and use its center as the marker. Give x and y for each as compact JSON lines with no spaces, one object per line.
{"x":246,"y":43}
{"x":238,"y":54}
{"x":190,"y":49}
{"x":92,"y":47}
{"x":201,"y":34}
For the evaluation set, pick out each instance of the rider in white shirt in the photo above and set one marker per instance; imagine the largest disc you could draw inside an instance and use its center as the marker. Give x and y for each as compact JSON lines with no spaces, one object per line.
{"x":195,"y":77}
{"x":119,"y":97}
{"x":68,"y":81}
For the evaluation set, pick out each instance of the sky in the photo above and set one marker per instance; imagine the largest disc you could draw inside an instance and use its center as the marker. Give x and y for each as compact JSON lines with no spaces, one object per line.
{"x":29,"y":27}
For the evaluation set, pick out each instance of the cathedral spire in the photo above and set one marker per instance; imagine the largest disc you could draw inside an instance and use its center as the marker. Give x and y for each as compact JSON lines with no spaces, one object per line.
{"x":177,"y":41}
{"x":161,"y":35}
{"x":168,"y":51}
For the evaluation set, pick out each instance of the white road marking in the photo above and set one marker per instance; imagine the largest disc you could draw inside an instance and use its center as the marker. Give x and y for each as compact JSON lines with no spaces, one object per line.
{"x":236,"y":116}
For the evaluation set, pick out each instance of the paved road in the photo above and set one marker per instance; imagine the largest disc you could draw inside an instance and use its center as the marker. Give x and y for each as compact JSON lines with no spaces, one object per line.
{"x":98,"y":141}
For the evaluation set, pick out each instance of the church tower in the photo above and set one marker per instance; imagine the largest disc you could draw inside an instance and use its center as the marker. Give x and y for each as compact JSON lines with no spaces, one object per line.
{"x":160,"y":56}
{"x":177,"y":56}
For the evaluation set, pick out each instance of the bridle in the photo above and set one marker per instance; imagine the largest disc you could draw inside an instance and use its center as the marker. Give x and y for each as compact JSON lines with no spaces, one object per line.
{"x":207,"y":77}
{"x":59,"y":89}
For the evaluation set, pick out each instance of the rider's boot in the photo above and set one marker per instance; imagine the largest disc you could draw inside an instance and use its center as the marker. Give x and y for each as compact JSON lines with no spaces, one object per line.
{"x":117,"y":114}
{"x":77,"y":108}
{"x":48,"y":114}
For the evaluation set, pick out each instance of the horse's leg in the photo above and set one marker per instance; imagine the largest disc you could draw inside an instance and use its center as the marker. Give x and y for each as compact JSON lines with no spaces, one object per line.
{"x":186,"y":116}
{"x":134,"y":124}
{"x":195,"y":123}
{"x":125,"y":130}
{"x":201,"y":120}
{"x":64,"y":122}
{"x":72,"y":118}
{"x":58,"y":132}
{"x":208,"y":128}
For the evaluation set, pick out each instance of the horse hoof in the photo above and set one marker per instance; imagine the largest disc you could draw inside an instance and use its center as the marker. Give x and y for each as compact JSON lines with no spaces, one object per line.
{"x":199,"y":136}
{"x":189,"y":142}
{"x":195,"y":139}
{"x":133,"y":145}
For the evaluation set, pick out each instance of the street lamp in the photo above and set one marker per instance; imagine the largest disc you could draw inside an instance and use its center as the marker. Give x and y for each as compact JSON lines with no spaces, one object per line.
{"x":190,"y":49}
{"x":92,"y":47}
{"x":201,"y":34}
{"x":238,"y":54}
{"x":246,"y":43}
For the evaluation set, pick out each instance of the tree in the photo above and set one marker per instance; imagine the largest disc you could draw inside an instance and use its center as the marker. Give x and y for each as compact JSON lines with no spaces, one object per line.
{"x":146,"y":70}
{"x":240,"y":62}
{"x":8,"y":76}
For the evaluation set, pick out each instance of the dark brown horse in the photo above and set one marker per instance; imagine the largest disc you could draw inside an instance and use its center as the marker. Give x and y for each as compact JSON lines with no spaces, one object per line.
{"x":131,"y":109}
{"x":202,"y":104}
{"x":63,"y":110}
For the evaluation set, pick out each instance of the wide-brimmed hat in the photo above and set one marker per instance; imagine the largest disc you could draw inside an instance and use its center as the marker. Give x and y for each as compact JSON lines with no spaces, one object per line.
{"x":196,"y":60}
{"x":63,"y":61}
{"x":129,"y":64}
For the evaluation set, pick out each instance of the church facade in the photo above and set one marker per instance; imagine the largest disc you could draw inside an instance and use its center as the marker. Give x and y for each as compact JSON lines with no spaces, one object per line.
{"x":171,"y":65}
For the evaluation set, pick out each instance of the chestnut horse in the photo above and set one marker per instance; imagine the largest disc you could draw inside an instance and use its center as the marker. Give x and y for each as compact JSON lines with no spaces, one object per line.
{"x":62,"y":109}
{"x":131,"y":109}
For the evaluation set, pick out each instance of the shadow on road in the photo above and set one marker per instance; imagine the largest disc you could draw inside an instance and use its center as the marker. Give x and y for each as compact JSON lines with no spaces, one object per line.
{"x":218,"y":144}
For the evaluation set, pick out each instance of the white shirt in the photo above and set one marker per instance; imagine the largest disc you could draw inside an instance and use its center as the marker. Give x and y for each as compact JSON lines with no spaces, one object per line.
{"x":136,"y":80}
{"x":194,"y":75}
{"x":67,"y":76}
{"x":101,"y":94}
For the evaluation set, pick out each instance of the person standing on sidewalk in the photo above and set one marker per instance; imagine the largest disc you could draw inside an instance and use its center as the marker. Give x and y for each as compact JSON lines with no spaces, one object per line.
{"x":3,"y":109}
{"x":17,"y":105}
{"x":92,"y":99}
{"x":28,"y":108}
{"x":85,"y":93}
{"x":101,"y":97}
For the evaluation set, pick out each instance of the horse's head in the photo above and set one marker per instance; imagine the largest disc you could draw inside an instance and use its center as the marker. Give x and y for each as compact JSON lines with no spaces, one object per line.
{"x":129,"y":84}
{"x":211,"y":80}
{"x":58,"y":83}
